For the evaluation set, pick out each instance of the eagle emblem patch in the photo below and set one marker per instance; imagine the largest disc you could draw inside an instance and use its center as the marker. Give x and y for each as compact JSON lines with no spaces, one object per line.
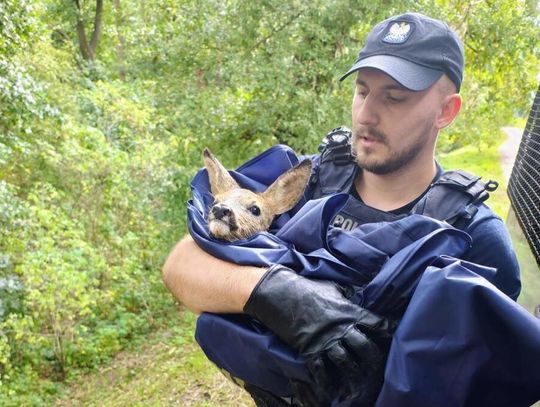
{"x":398,"y":33}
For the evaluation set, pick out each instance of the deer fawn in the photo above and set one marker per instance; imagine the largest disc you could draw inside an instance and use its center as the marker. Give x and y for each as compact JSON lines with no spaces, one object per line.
{"x":238,"y":213}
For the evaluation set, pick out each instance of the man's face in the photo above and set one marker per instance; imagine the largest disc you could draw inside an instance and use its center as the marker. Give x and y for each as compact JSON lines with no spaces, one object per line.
{"x":392,"y":126}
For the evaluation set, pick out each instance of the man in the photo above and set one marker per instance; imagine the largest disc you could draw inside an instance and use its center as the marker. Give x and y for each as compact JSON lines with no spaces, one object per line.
{"x":408,"y":77}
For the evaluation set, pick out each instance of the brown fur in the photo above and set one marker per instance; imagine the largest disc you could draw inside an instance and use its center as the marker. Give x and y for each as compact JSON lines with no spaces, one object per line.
{"x":232,"y":215}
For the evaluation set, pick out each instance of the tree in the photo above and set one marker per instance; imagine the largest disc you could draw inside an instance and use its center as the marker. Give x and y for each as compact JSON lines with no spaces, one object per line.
{"x":88,"y":49}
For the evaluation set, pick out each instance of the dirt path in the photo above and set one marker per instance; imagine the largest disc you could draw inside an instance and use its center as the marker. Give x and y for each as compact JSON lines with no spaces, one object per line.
{"x":508,"y":150}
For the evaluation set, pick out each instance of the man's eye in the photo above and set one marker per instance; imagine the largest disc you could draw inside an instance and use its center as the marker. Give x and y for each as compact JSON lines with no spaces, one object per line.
{"x":394,"y":99}
{"x":255,"y":210}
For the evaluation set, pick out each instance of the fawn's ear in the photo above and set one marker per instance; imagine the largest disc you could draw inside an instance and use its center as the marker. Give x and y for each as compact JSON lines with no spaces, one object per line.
{"x":286,"y":191}
{"x":220,"y":179}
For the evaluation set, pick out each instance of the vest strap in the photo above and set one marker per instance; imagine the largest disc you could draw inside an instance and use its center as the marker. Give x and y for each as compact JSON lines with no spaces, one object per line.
{"x":335,"y":167}
{"x":336,"y":146}
{"x":455,"y":197}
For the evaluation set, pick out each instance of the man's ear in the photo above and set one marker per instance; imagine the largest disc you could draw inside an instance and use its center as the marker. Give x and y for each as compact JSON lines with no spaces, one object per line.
{"x":286,"y":191}
{"x":220,"y":179}
{"x":450,"y":107}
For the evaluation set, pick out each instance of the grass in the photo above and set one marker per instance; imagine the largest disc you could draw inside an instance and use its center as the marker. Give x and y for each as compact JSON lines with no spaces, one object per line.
{"x":484,"y":163}
{"x":168,"y":369}
{"x":520,"y":122}
{"x":530,"y":272}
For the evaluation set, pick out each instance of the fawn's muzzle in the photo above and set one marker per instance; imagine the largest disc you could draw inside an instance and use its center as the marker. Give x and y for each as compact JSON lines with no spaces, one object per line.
{"x":220,"y":211}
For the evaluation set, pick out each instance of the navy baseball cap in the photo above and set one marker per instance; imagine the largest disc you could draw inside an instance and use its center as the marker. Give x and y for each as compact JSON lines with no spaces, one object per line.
{"x":415,"y":50}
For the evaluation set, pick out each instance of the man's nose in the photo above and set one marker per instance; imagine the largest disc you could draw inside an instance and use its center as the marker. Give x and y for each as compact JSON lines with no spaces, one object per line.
{"x":220,"y":211}
{"x":365,"y":112}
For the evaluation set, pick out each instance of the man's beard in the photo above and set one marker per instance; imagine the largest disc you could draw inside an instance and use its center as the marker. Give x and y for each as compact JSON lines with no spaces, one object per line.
{"x":395,"y":160}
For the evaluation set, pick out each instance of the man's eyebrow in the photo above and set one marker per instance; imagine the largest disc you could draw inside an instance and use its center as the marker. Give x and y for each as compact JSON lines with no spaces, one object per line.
{"x":390,"y":86}
{"x":360,"y":82}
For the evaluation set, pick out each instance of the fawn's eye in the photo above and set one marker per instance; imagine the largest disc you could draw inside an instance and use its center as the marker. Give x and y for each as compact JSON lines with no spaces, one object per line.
{"x":255,"y":210}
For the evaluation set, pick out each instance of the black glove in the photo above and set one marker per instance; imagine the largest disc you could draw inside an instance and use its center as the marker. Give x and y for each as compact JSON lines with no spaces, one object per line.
{"x":345,"y":345}
{"x":263,"y":398}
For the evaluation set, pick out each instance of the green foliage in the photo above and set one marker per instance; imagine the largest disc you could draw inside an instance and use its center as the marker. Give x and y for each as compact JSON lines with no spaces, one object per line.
{"x":167,"y":368}
{"x":96,"y":158}
{"x":17,"y":24}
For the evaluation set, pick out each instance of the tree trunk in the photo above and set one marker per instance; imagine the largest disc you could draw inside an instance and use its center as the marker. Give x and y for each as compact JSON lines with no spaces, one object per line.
{"x":81,"y":34}
{"x":96,"y":35}
{"x":88,"y":49}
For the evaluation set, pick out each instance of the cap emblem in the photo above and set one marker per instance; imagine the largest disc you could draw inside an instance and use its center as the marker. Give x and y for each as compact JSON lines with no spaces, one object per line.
{"x":398,"y":33}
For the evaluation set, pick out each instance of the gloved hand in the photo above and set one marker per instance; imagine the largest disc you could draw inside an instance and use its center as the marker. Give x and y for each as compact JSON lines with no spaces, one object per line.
{"x":345,"y":345}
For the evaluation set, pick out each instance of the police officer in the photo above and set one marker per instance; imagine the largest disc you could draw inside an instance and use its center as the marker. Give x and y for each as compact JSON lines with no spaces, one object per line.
{"x":408,"y":77}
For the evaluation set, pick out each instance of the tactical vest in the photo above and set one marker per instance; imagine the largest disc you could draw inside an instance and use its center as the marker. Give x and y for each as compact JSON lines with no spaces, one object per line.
{"x":454,"y":197}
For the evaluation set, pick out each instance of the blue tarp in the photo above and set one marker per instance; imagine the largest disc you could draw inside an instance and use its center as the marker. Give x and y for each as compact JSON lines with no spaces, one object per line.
{"x":460,"y":342}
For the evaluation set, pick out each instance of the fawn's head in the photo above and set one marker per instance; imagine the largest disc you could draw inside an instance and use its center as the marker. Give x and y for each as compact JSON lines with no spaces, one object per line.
{"x":238,"y":213}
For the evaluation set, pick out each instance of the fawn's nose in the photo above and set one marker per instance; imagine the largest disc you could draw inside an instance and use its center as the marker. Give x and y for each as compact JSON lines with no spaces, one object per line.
{"x":220,"y":211}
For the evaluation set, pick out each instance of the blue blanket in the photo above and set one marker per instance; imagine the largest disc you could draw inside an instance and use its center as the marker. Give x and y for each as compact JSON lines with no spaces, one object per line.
{"x":460,"y":342}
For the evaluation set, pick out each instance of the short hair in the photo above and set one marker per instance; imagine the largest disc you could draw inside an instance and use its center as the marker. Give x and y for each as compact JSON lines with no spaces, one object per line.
{"x":446,"y":86}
